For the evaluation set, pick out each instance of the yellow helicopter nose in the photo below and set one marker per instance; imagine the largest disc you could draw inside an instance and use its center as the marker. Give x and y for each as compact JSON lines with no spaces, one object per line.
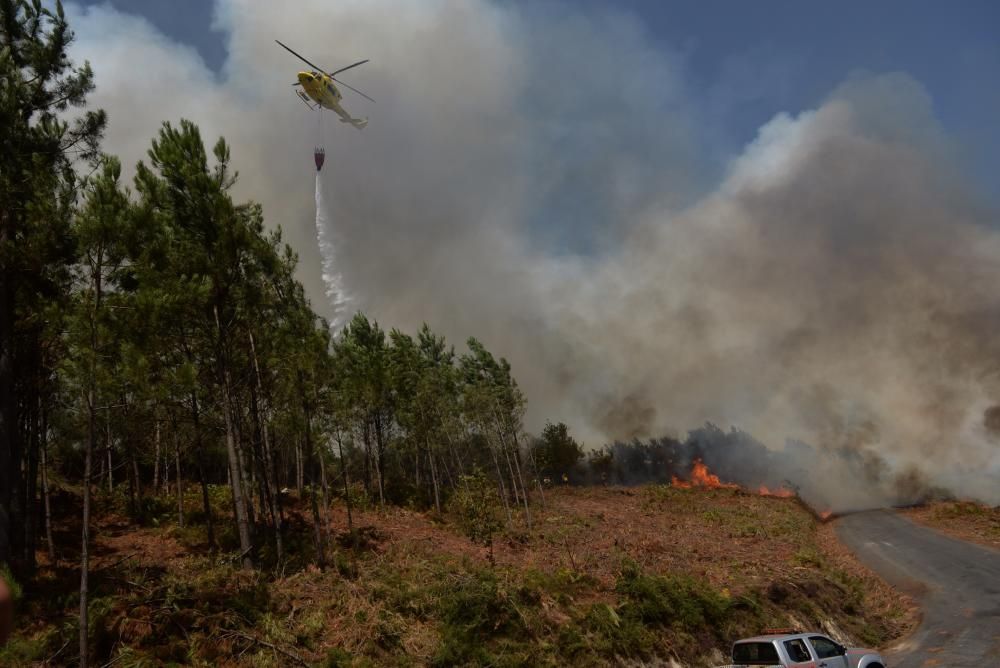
{"x":305,"y":77}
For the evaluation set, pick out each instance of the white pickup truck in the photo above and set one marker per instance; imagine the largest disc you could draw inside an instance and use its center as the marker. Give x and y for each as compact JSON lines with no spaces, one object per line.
{"x":800,"y":650}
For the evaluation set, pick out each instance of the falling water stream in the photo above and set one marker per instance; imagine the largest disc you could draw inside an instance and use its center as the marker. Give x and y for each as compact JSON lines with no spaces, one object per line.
{"x":333,"y":280}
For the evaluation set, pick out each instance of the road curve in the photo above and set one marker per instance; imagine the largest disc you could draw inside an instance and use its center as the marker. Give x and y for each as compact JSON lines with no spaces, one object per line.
{"x":957,"y":584}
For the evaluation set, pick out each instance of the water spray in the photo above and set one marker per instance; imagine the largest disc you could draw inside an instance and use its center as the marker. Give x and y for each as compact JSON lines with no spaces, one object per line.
{"x":333,"y":280}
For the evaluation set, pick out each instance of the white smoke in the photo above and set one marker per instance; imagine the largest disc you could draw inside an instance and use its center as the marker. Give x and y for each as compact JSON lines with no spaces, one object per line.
{"x":337,"y":296}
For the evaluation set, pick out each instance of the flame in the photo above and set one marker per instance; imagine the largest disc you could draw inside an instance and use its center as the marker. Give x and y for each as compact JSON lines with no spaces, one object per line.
{"x":702,"y":477}
{"x":780,"y":492}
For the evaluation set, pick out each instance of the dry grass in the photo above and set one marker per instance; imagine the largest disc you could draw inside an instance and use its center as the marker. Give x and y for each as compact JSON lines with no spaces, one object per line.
{"x":965,"y":520}
{"x":596,"y":580}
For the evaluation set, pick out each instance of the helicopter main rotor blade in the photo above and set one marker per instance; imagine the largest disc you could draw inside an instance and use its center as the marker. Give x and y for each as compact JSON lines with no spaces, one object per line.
{"x":344,"y":69}
{"x":352,"y":88}
{"x":319,"y":69}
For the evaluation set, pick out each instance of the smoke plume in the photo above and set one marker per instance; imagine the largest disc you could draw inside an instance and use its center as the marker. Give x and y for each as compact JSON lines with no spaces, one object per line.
{"x":835,"y":284}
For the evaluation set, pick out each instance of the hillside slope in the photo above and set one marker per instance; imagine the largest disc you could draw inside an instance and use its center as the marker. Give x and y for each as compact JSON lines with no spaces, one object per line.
{"x":604,"y":575}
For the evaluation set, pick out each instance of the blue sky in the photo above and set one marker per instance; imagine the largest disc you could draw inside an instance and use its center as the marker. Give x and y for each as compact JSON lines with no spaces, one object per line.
{"x":746,"y":61}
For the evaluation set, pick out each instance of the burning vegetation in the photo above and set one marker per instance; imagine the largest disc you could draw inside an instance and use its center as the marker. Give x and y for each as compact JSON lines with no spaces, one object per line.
{"x":780,"y":492}
{"x":702,"y":477}
{"x":711,"y":457}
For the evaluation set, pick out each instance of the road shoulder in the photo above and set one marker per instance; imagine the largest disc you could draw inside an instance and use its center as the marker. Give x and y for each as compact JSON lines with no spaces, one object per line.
{"x":965,"y":520}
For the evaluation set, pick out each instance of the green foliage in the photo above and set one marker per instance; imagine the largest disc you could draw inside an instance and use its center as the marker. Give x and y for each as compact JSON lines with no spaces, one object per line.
{"x":612,"y":635}
{"x":148,"y":510}
{"x":475,"y":503}
{"x":714,"y":516}
{"x":563,"y":585}
{"x":677,"y":601}
{"x":409,"y":592}
{"x":222,"y":590}
{"x":337,"y":658}
{"x":474,"y":608}
{"x":16,"y":592}
{"x":40,"y":140}
{"x":556,"y":452}
{"x":31,"y":650}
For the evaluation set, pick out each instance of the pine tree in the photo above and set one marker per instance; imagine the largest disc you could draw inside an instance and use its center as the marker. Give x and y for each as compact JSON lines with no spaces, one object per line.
{"x":100,"y":228}
{"x":38,"y":84}
{"x":211,"y":236}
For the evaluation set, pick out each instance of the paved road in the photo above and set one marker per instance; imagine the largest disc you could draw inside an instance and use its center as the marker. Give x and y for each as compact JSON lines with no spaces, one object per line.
{"x":957,"y":584}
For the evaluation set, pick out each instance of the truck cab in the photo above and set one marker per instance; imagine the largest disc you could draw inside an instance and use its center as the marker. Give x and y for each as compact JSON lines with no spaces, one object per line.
{"x":801,"y":650}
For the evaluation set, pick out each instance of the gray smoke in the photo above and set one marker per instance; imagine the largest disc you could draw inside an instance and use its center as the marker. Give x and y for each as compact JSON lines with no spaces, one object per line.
{"x":532,"y":176}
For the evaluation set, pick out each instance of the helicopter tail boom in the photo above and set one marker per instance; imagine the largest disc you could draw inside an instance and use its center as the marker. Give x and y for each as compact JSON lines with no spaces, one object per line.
{"x":359,"y":123}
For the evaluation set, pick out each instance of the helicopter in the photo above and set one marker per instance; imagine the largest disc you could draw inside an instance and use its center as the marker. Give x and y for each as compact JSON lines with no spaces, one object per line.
{"x":320,"y":91}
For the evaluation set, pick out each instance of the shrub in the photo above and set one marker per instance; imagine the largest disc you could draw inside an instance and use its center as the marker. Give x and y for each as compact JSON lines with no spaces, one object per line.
{"x":613,"y":634}
{"x":29,"y":651}
{"x":677,"y":601}
{"x":337,"y":658}
{"x":474,"y":609}
{"x":476,"y":505}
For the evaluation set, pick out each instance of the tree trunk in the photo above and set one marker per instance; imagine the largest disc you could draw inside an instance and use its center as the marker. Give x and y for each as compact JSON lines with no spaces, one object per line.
{"x":310,"y":454}
{"x":416,"y":468}
{"x":277,"y":513}
{"x":434,"y":479}
{"x":538,"y":477}
{"x":111,"y":481}
{"x":326,"y":488}
{"x":367,"y":440}
{"x":510,"y":468}
{"x":87,"y":463}
{"x":241,"y":460}
{"x":137,"y":490}
{"x":236,"y":483}
{"x":180,"y":486}
{"x":265,"y":507}
{"x":104,"y":464}
{"x":156,"y":460}
{"x":9,"y":469}
{"x":300,"y":483}
{"x":30,"y":504}
{"x":503,"y":489}
{"x":45,"y":487}
{"x":165,"y":477}
{"x":85,"y":538}
{"x":454,"y":451}
{"x":516,"y":455}
{"x":200,"y":468}
{"x":380,"y":444}
{"x":347,"y":488}
{"x":516,"y":471}
{"x":239,"y":502}
{"x":269,"y":481}
{"x":448,"y":475}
